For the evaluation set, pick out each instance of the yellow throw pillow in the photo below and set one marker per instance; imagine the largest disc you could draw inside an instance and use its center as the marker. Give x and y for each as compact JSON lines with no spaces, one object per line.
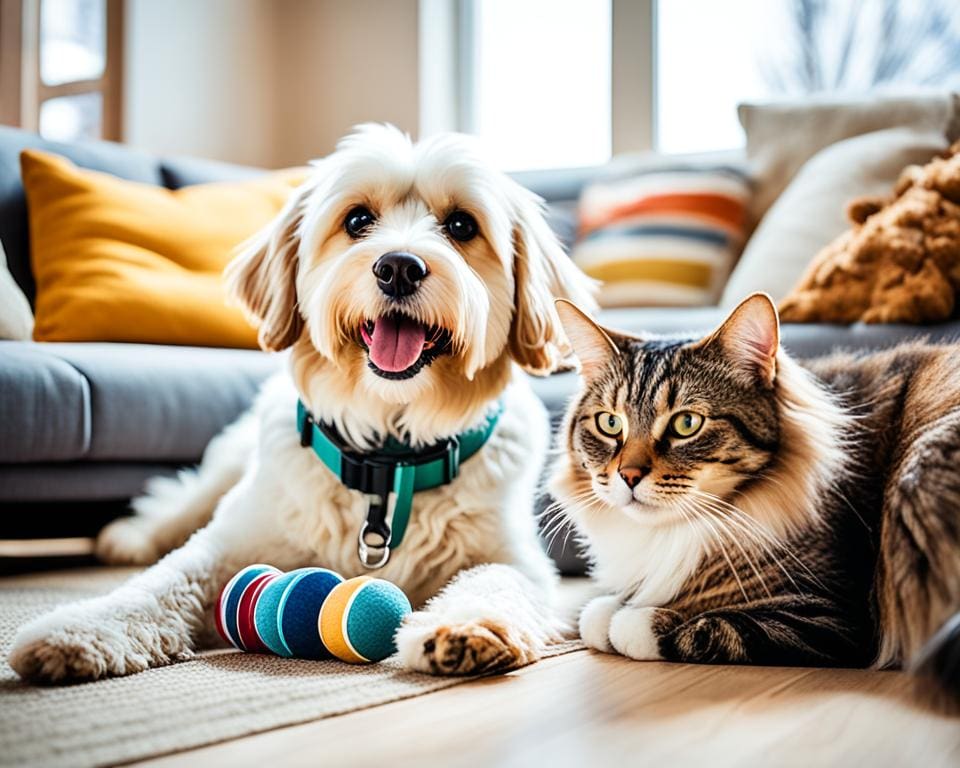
{"x":116,"y":260}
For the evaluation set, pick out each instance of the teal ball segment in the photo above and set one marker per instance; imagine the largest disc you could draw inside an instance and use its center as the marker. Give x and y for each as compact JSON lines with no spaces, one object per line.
{"x":374,"y":617}
{"x":266,"y":613}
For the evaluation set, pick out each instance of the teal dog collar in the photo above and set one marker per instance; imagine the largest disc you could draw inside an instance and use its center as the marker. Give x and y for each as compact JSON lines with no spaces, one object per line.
{"x":394,"y":472}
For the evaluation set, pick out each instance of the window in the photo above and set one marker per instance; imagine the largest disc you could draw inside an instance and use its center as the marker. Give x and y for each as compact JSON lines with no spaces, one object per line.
{"x":536,"y":76}
{"x":539,"y":76}
{"x":705,"y":65}
{"x":711,"y":56}
{"x":60,"y":69}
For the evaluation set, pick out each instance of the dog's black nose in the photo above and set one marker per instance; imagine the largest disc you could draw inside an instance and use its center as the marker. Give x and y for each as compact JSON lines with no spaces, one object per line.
{"x":399,"y":273}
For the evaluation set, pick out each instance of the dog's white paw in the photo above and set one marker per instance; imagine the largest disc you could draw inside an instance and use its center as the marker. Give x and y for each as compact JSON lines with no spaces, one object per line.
{"x":427,"y":643}
{"x":595,"y":622}
{"x":632,"y":633}
{"x":127,"y":541}
{"x":85,"y":642}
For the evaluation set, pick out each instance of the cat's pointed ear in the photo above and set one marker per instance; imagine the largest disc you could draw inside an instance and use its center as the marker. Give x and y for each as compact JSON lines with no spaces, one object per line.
{"x":750,"y":337}
{"x":591,"y":344}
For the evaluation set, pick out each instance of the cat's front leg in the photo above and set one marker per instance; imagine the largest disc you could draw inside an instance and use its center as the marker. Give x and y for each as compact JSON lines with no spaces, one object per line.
{"x":594,"y":623}
{"x":637,"y":632}
{"x":786,"y":630}
{"x":488,"y":618}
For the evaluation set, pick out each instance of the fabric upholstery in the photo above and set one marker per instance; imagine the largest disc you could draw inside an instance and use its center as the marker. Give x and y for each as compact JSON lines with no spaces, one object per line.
{"x":44,"y":406}
{"x":124,"y":402}
{"x":16,"y":318}
{"x":121,"y":261}
{"x":667,"y":236}
{"x":88,"y":481}
{"x":782,"y":136}
{"x":118,"y":160}
{"x":812,"y":210}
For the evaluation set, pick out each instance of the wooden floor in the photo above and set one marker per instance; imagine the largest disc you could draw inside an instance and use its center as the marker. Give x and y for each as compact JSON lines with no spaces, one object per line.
{"x":588,"y":709}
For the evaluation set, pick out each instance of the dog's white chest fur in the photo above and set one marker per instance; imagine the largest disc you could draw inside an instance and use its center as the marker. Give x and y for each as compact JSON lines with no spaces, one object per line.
{"x":473,"y":519}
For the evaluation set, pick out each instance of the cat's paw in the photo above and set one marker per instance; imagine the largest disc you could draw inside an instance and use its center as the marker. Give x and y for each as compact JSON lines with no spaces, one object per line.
{"x":595,"y":622}
{"x":426,"y":644}
{"x":127,"y":541}
{"x":633,"y":633}
{"x":710,"y":639}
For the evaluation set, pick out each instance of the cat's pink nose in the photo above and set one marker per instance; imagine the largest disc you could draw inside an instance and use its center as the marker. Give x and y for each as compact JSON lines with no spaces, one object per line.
{"x":633,"y":475}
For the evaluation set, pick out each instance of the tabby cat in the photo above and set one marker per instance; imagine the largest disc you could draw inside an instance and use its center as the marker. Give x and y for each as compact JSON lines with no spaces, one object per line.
{"x":739,"y":506}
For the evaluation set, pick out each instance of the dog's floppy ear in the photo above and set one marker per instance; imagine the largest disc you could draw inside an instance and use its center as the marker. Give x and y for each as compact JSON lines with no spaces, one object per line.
{"x":542,"y":273}
{"x":262,"y":276}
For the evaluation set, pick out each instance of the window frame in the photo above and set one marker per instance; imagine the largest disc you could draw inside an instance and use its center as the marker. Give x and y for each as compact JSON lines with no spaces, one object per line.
{"x":20,"y":81}
{"x":448,"y":102}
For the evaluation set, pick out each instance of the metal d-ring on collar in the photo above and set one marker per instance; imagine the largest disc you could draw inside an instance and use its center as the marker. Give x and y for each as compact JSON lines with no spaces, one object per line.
{"x":390,"y":476}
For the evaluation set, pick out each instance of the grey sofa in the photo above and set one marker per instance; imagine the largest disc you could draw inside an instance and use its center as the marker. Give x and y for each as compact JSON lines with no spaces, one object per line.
{"x":83,"y":425}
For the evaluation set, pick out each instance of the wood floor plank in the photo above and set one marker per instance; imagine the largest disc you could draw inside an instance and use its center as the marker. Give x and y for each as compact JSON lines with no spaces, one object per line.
{"x":593,"y":709}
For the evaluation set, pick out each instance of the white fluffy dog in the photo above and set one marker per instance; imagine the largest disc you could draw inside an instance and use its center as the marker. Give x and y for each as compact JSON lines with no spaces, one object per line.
{"x":407,"y":281}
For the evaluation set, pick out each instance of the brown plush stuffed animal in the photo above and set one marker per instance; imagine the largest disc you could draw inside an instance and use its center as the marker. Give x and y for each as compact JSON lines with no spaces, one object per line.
{"x":900,"y":262}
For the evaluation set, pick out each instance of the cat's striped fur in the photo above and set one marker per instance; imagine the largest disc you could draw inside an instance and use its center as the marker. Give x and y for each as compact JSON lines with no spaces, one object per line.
{"x":813,"y":518}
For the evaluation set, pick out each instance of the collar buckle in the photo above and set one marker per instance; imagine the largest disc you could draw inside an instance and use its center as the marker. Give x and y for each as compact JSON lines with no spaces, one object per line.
{"x":390,"y":476}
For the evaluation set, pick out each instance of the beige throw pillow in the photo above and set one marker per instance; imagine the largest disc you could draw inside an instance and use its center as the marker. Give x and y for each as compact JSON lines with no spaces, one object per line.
{"x":16,"y":319}
{"x":782,"y":137}
{"x":812,"y":210}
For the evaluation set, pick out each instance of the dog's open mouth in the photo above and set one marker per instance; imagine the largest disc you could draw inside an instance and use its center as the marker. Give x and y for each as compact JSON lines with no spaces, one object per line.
{"x":398,"y":347}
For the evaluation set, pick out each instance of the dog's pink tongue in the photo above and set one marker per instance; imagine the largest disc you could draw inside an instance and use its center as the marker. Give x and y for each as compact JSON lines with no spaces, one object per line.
{"x":397,"y":343}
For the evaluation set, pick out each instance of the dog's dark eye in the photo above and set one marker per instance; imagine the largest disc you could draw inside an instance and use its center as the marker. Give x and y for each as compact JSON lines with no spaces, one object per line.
{"x":358,"y":221}
{"x":461,"y":226}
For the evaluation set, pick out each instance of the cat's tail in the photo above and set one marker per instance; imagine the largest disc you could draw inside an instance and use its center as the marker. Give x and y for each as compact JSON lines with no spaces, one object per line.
{"x":940,"y":657}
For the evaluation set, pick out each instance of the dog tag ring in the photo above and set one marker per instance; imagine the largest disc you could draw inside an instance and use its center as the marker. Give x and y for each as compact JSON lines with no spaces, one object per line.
{"x":373,"y":544}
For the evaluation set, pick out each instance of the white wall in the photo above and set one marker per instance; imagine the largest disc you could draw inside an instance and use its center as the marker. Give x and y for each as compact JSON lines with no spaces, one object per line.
{"x":342,"y":62}
{"x":266,"y":82}
{"x":198,"y":78}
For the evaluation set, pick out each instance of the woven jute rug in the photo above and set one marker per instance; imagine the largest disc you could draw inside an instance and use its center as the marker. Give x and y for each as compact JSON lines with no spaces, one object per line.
{"x":217,"y":696}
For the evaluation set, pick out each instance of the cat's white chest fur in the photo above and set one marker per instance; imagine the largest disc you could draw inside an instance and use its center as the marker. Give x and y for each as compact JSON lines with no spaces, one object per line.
{"x":646,"y":564}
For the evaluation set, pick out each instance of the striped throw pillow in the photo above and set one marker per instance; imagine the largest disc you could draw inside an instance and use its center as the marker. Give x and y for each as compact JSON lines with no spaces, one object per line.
{"x":666,"y":237}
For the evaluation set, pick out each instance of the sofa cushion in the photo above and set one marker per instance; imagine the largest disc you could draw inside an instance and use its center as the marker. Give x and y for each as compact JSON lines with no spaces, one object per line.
{"x":16,"y":317}
{"x":782,"y":136}
{"x":128,"y":402}
{"x":99,"y":156}
{"x":74,"y":481}
{"x":116,"y":260}
{"x":44,"y":407}
{"x":812,"y":210}
{"x":663,"y":237}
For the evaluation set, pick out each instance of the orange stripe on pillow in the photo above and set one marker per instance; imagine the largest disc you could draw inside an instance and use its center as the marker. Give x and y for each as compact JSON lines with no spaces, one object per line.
{"x":723,"y":208}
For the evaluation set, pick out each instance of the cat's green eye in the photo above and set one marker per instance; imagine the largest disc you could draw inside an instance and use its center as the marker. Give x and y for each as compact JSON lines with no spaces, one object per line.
{"x":609,"y":424}
{"x":686,"y":424}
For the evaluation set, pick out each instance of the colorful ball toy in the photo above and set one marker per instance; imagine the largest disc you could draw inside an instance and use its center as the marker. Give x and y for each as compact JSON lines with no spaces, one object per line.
{"x":310,"y":613}
{"x":227,"y":609}
{"x":288,"y":610}
{"x":360,"y":617}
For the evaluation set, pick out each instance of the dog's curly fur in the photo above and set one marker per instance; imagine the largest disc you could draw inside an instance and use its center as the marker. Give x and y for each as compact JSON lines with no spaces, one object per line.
{"x":471,"y":560}
{"x":900,"y":261}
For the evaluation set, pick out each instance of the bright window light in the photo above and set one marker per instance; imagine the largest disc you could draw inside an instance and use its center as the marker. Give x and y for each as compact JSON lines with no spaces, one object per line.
{"x":541,"y":81}
{"x":713,"y":55}
{"x":707,"y":64}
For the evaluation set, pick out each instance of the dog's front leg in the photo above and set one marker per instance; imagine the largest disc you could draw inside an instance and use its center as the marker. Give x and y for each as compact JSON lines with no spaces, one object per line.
{"x":153,"y":619}
{"x":488,"y":618}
